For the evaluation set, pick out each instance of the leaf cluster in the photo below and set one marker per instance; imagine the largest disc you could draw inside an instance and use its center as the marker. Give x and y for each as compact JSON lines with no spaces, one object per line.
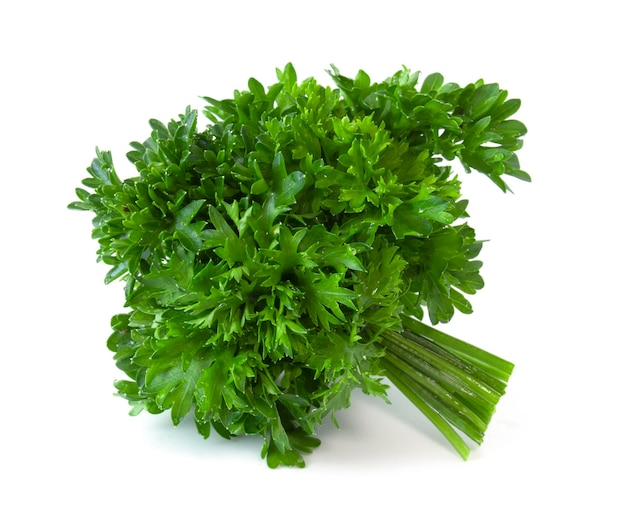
{"x":266,"y":254}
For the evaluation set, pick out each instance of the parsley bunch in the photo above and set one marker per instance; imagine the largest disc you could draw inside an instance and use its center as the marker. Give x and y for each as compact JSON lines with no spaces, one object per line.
{"x":285,"y":254}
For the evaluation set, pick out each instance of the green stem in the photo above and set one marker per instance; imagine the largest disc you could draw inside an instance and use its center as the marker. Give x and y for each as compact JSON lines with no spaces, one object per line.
{"x":455,"y":384}
{"x":420,"y":353}
{"x":438,"y":398}
{"x":440,"y":423}
{"x":494,"y":365}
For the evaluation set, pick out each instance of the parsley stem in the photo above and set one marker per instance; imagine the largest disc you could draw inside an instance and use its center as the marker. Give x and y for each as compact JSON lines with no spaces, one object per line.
{"x":455,"y":384}
{"x":494,"y":365}
{"x":437,"y":397}
{"x":440,"y":423}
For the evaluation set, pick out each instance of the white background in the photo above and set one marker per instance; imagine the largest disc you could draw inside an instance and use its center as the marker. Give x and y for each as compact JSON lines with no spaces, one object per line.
{"x":75,"y":75}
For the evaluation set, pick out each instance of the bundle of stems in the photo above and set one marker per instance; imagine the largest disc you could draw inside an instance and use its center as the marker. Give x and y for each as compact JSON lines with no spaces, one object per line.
{"x":454,"y":384}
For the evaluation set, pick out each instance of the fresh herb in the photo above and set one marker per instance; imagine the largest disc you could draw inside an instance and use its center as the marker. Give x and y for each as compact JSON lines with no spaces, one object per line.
{"x":285,"y":254}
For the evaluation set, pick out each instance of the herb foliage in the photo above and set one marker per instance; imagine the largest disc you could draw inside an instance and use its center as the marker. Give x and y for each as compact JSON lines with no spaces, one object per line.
{"x":284,"y":255}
